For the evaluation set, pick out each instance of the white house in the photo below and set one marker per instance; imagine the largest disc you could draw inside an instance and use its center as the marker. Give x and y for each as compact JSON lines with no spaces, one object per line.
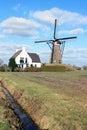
{"x":24,"y":59}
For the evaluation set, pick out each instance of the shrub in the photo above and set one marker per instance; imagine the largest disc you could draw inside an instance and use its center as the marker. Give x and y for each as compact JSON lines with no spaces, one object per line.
{"x":57,"y":68}
{"x":18,"y":69}
{"x":4,"y":68}
{"x":53,"y":68}
{"x":32,"y":69}
{"x":12,"y":64}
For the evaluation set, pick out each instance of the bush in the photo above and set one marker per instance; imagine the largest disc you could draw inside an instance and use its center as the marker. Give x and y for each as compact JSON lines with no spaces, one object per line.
{"x":53,"y":68}
{"x":32,"y":69}
{"x":4,"y":68}
{"x":12,"y":64}
{"x":57,"y":68}
{"x":17,"y":69}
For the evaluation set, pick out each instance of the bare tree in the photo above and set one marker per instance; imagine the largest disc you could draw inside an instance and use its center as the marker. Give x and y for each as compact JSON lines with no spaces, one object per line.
{"x":1,"y":62}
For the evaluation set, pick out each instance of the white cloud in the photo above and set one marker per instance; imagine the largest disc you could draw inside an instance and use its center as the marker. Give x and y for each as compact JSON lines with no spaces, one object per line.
{"x":66,"y":18}
{"x":12,"y":46}
{"x":73,"y":31}
{"x":63,"y":16}
{"x":20,"y":26}
{"x":78,"y":50}
{"x":45,"y":16}
{"x":28,"y":27}
{"x":77,"y":31}
{"x":75,"y":56}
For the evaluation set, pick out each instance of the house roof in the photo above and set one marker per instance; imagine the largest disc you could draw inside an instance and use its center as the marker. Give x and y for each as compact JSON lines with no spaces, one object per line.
{"x":16,"y":54}
{"x":34,"y":57}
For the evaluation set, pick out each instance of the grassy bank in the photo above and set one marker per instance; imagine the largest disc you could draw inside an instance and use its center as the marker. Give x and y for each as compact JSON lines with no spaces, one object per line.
{"x":61,"y":98}
{"x":4,"y":124}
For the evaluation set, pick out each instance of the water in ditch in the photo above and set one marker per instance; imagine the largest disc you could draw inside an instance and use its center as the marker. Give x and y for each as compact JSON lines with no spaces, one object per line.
{"x":26,"y":122}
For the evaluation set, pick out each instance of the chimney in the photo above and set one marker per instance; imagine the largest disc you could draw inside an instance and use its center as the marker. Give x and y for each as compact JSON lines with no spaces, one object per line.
{"x":23,"y":49}
{"x":17,"y":50}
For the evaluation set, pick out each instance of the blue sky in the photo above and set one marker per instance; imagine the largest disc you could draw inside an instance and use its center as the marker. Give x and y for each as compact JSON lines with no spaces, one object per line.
{"x":22,"y":22}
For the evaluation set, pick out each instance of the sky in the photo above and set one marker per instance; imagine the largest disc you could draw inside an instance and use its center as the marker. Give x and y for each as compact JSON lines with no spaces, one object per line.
{"x":22,"y":22}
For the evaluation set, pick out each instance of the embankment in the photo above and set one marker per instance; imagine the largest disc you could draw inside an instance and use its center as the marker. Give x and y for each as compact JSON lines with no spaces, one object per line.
{"x":31,"y":106}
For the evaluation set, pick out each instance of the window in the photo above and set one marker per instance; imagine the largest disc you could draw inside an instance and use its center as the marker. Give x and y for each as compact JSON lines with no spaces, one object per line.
{"x":21,"y":60}
{"x":26,"y":60}
{"x":31,"y":65}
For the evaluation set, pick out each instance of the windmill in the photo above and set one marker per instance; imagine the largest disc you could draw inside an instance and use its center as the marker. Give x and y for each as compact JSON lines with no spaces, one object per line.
{"x":56,"y":45}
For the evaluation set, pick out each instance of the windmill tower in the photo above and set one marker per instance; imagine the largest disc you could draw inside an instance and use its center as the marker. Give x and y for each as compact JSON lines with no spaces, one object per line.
{"x":56,"y":45}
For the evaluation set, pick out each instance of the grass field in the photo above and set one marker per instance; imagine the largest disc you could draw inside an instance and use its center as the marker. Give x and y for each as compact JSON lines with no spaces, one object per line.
{"x":61,"y":97}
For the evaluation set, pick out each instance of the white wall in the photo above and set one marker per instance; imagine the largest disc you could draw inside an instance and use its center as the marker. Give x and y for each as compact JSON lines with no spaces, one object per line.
{"x":35,"y":64}
{"x":24,"y":55}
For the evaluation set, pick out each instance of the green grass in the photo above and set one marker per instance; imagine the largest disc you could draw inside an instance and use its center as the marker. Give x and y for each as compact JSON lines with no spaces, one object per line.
{"x":63,"y":96}
{"x":4,"y":126}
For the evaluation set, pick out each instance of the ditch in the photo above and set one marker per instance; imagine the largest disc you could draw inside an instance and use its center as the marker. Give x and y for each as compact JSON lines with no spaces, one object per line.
{"x":16,"y":116}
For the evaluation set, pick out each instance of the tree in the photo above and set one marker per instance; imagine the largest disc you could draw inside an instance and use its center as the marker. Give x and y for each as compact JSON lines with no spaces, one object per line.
{"x":1,"y":62}
{"x":12,"y":64}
